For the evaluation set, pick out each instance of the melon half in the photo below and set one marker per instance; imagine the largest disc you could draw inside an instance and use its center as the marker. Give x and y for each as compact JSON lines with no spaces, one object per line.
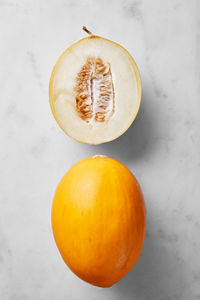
{"x":95,"y":90}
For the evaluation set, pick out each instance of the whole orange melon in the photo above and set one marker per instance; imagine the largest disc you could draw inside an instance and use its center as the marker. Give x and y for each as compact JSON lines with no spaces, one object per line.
{"x":99,"y":219}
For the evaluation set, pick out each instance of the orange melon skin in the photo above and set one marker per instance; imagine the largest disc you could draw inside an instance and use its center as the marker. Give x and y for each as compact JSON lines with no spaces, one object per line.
{"x":99,"y":220}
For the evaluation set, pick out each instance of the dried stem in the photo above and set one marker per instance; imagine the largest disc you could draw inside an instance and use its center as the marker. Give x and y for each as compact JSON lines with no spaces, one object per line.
{"x":86,"y":30}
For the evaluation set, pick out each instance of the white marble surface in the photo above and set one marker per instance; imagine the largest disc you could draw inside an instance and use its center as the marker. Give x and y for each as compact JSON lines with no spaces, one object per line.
{"x":162,"y":147}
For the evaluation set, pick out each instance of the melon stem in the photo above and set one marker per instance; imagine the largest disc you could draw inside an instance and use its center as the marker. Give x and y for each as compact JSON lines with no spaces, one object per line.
{"x":86,"y":30}
{"x":98,"y":155}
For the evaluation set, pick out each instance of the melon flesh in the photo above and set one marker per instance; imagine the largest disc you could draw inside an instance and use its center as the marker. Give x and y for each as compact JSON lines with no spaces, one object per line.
{"x":95,"y":90}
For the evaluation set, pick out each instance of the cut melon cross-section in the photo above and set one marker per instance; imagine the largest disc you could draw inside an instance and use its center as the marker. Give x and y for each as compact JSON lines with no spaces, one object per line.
{"x":95,"y":90}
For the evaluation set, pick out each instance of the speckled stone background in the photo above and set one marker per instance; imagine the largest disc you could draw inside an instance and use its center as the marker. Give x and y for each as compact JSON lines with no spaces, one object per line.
{"x":162,"y":147}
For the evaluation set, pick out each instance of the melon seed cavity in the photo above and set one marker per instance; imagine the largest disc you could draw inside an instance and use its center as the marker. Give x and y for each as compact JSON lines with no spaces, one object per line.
{"x":94,"y":91}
